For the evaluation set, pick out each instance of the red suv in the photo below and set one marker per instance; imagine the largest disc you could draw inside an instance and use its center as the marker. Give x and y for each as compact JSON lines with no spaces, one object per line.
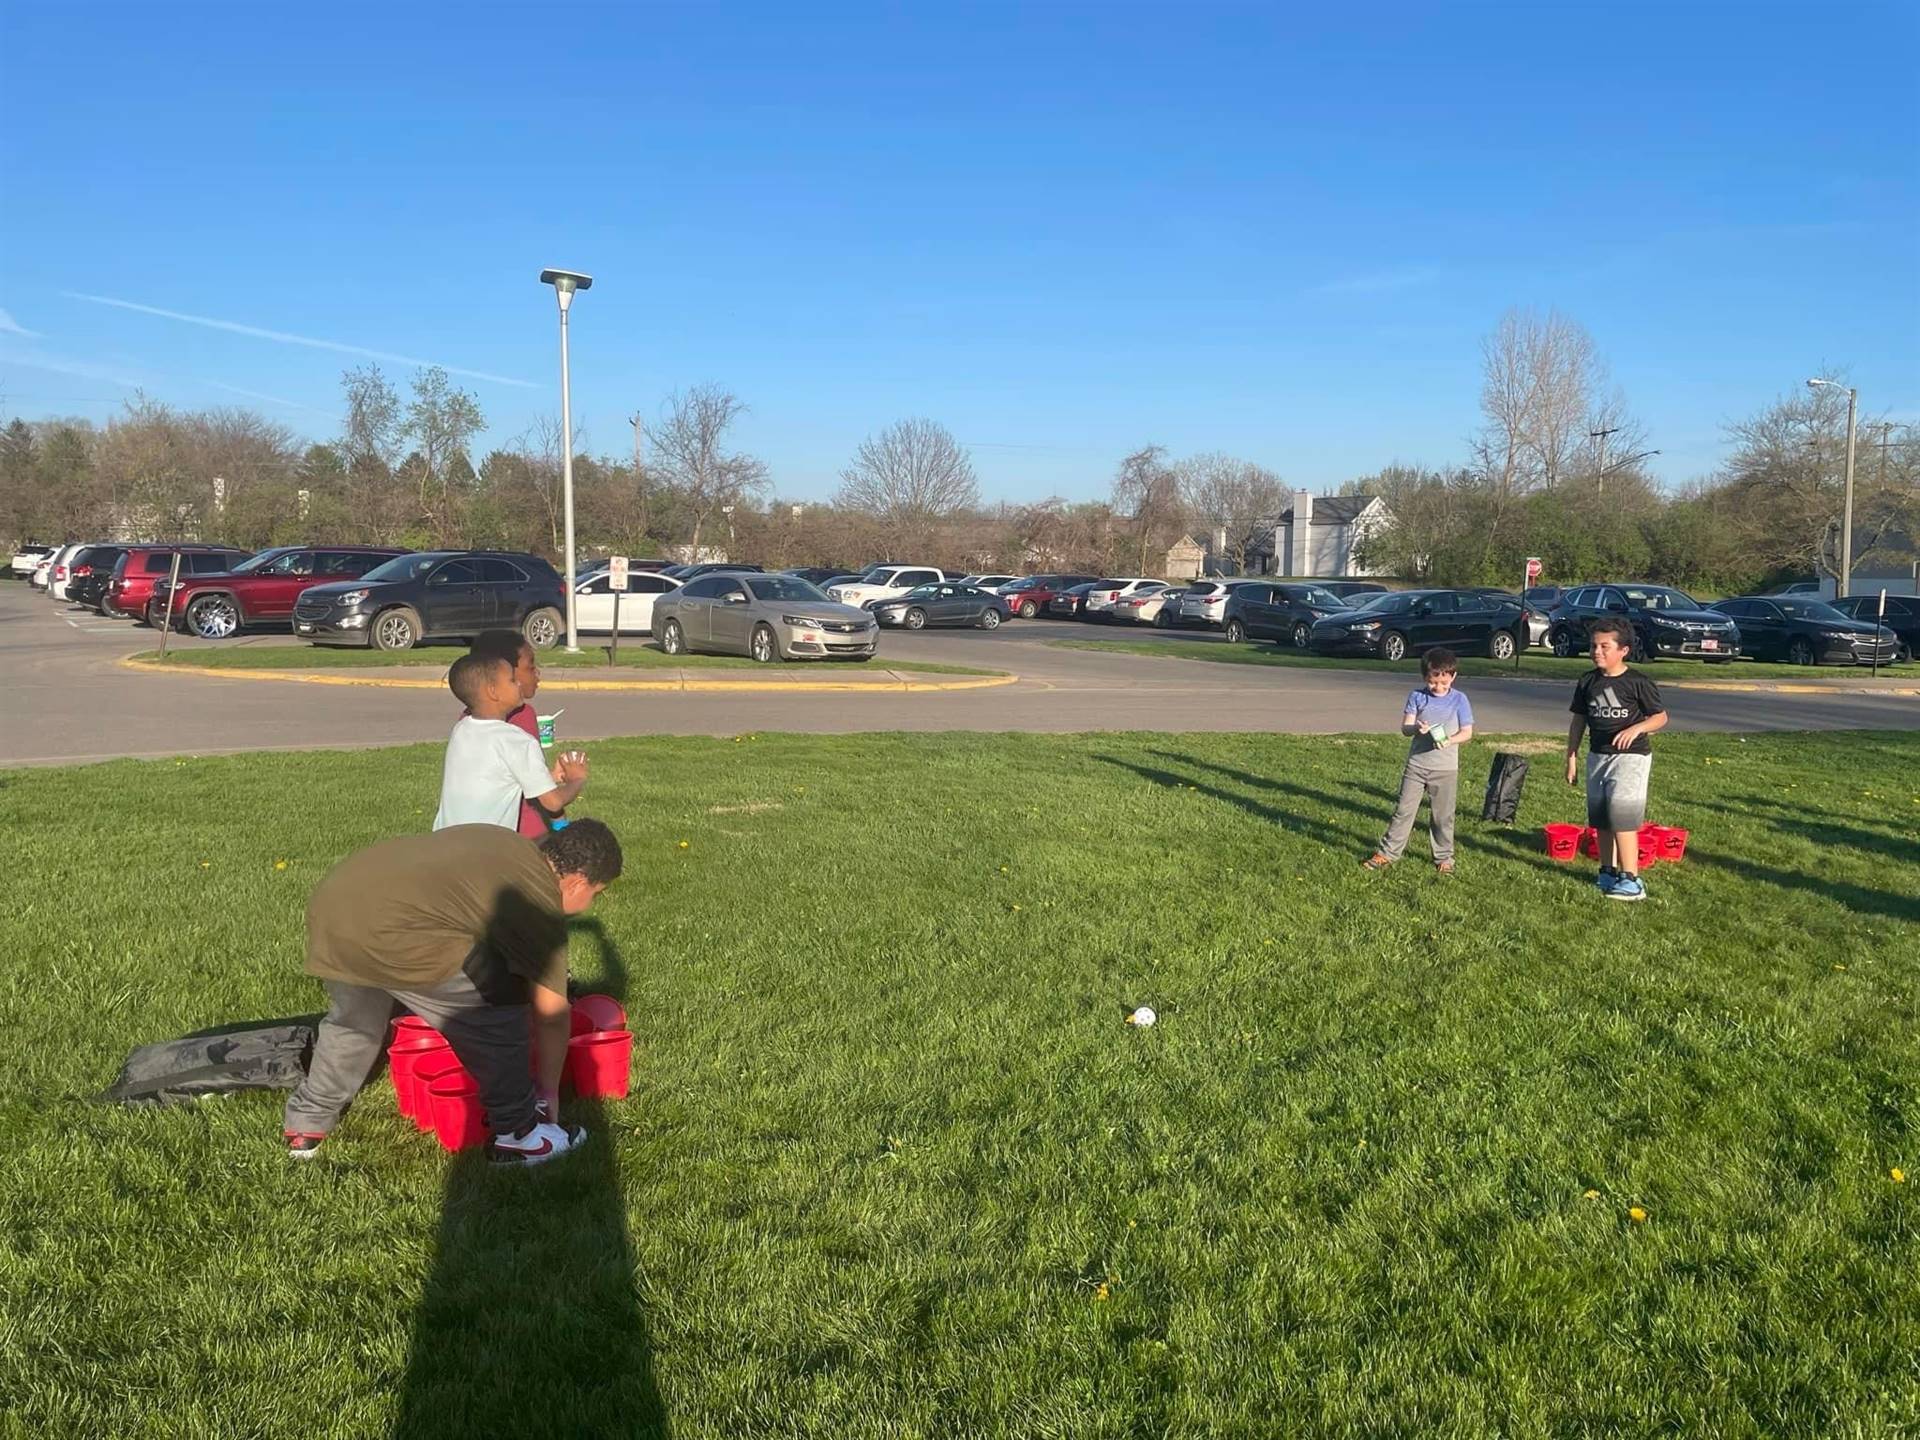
{"x":261,"y":590}
{"x":1029,"y":597}
{"x":144,"y":566}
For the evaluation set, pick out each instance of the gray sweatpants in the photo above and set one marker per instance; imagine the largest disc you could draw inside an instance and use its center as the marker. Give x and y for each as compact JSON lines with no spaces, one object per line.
{"x":492,"y":1041}
{"x":1438,"y":780}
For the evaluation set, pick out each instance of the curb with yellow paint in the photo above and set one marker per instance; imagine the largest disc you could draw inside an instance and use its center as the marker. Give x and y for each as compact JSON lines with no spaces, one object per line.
{"x":899,"y":681}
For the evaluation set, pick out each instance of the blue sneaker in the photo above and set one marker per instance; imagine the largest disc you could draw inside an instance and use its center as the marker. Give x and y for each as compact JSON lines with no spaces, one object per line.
{"x":1626,"y":887}
{"x":1605,"y":880}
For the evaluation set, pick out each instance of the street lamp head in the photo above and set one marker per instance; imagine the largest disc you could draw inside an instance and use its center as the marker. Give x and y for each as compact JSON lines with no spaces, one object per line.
{"x":1816,"y":384}
{"x":565,"y":282}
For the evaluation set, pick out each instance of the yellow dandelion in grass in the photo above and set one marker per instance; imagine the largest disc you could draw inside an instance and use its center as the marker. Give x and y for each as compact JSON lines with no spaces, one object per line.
{"x":1838,"y":966}
{"x":1636,"y":1215}
{"x":1103,"y":1291}
{"x":685,"y":843}
{"x":1899,"y":1175}
{"x":1003,"y":870}
{"x":1590,"y":1195}
{"x":279,"y":864}
{"x":1016,"y":907}
{"x":206,"y":864}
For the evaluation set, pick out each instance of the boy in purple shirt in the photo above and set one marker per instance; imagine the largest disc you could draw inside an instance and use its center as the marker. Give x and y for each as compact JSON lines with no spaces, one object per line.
{"x":1439,"y":720}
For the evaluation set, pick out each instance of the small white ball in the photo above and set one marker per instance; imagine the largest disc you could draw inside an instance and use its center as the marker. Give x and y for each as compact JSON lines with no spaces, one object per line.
{"x":1143,"y":1016}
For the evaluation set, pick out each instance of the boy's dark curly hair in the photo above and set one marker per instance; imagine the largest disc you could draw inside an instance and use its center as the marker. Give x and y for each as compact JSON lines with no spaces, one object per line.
{"x":1621,"y":630}
{"x":585,"y":847}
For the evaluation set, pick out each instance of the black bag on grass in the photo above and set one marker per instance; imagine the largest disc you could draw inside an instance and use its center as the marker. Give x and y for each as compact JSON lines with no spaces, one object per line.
{"x":1504,"y":783}
{"x":253,"y":1055}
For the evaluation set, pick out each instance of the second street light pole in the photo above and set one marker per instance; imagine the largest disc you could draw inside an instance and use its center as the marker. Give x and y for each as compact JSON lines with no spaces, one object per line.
{"x":1600,"y":471}
{"x":1843,"y":586}
{"x":564,"y":283}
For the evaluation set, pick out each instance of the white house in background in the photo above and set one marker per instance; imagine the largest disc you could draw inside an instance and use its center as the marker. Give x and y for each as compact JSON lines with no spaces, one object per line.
{"x":1317,"y":535}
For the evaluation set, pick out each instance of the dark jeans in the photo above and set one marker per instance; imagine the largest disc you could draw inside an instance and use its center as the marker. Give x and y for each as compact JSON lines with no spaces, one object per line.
{"x":492,"y":1041}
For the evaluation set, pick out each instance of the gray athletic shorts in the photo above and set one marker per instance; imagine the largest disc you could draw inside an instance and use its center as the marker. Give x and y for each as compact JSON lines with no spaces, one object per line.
{"x":1617,"y":791}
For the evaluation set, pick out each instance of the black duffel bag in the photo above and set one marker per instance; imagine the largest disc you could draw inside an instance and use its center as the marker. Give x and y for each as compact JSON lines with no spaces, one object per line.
{"x":253,"y":1055}
{"x":1504,"y":782}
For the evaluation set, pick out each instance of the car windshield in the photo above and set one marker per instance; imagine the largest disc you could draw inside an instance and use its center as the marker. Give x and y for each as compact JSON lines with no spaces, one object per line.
{"x":404,"y":567}
{"x":1322,"y":599}
{"x":1810,"y":610}
{"x":784,"y":587}
{"x":921,"y":592}
{"x":1375,"y":601}
{"x":1656,"y":597}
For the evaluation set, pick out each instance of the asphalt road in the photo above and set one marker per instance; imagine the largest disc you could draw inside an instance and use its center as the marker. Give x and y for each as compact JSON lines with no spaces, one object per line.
{"x":67,"y":699}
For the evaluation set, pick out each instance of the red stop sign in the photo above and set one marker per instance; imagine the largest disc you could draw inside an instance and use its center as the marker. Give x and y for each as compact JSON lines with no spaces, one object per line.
{"x":1533,"y":568}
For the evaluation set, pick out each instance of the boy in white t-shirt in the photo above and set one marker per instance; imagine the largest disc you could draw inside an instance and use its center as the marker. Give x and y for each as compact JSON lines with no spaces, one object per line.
{"x":490,"y":764}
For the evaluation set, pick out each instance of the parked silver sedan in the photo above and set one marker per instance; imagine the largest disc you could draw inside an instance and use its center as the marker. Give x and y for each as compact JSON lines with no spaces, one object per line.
{"x":769,"y":617}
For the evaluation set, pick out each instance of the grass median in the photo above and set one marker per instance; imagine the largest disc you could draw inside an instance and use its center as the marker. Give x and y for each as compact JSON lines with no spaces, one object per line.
{"x":1539,"y":667}
{"x":635,"y":655}
{"x":1405,"y":1154}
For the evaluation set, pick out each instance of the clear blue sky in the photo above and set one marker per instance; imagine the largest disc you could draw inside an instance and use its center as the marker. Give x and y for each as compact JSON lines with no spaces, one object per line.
{"x":1061,"y":231}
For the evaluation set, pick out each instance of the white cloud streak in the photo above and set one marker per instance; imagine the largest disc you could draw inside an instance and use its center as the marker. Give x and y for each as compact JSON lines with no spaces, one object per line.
{"x":11,"y":326}
{"x":1379,"y":282}
{"x":282,"y":337}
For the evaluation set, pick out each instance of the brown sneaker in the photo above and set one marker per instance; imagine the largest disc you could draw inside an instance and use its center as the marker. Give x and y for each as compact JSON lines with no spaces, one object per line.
{"x":1445,"y":867}
{"x":1375,"y":861}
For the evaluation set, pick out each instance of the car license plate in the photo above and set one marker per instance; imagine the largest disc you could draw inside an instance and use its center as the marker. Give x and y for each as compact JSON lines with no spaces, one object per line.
{"x":1709,"y":644}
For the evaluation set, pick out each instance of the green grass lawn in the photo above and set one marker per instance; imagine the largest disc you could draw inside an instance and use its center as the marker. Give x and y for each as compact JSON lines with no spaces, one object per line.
{"x":895,"y":1166}
{"x":1538,"y":666}
{"x":635,"y":654}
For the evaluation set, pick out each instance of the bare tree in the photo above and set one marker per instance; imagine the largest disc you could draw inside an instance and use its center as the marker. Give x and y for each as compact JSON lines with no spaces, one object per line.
{"x":1233,"y":498}
{"x":1539,"y":375}
{"x":1147,"y":491}
{"x":693,"y":461}
{"x":441,"y":421}
{"x":909,"y":477}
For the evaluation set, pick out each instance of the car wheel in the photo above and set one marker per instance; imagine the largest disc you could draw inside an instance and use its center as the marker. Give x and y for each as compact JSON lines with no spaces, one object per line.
{"x":1562,"y":641}
{"x":989,"y":619}
{"x":543,"y":628}
{"x":1501,"y":645}
{"x":1300,"y":635}
{"x":1393,"y":646}
{"x":1800,"y":651}
{"x":763,"y":646}
{"x":396,"y":629}
{"x":1028,"y":609}
{"x":213,"y":617}
{"x":672,"y":640}
{"x":916,"y":619}
{"x":1236,"y":632}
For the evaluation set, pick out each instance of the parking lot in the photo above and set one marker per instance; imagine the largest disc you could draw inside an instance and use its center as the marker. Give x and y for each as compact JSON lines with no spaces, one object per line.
{"x":68,"y":698}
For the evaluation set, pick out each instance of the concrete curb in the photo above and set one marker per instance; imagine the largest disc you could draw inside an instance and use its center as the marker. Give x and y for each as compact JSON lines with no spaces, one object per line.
{"x":682,"y":681}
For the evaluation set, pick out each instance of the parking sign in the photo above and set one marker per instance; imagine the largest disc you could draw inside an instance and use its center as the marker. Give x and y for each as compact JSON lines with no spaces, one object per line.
{"x":617,"y":572}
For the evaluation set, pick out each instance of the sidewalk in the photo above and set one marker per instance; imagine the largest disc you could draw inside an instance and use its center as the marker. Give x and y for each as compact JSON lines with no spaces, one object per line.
{"x":793,"y":680}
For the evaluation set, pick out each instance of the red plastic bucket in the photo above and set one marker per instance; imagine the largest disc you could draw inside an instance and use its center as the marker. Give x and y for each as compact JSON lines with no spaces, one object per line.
{"x":598,"y":1064}
{"x":428,"y":1070}
{"x":458,"y":1119}
{"x":402,"y":1056}
{"x":1673,"y":842}
{"x":408,"y":1024}
{"x":1590,"y":842}
{"x":602,"y":1012}
{"x":1563,"y":841}
{"x":1649,"y":845}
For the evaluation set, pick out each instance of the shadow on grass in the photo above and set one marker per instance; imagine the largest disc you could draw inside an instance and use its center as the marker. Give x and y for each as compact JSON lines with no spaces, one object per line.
{"x":1379,"y":795}
{"x":1863,"y":899}
{"x":1875,"y":844}
{"x":1287,"y":820}
{"x":530,"y":1323}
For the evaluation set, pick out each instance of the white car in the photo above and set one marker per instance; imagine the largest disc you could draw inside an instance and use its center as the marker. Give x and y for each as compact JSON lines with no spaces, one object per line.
{"x":38,"y":579}
{"x":62,"y":570}
{"x":1205,"y":602}
{"x":26,"y":558}
{"x":885,"y":582}
{"x":1102,"y":597}
{"x":987,"y":582}
{"x":593,"y":601}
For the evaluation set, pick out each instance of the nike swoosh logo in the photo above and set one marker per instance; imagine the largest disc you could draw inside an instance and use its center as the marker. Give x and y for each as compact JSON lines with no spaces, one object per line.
{"x":546,"y":1149}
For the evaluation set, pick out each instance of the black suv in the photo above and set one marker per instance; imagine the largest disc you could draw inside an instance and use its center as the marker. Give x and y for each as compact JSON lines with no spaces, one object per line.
{"x":1282,"y":610}
{"x":1396,"y":625}
{"x":89,"y":573}
{"x":1666,"y":622}
{"x":437,"y":595}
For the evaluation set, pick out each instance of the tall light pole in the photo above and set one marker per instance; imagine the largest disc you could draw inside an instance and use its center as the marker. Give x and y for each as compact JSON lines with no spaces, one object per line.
{"x":564,"y":283}
{"x":1846,"y":512}
{"x":1600,"y":470}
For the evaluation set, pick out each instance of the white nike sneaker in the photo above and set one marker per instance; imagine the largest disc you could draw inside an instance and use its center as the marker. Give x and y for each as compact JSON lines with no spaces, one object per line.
{"x":537,"y":1144}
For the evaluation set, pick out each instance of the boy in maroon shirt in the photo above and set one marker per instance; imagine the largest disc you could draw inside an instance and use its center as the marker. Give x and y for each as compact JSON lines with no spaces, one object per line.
{"x":512,"y":647}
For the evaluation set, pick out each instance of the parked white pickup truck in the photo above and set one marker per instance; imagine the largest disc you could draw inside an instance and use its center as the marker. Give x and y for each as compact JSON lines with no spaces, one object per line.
{"x":885,"y":582}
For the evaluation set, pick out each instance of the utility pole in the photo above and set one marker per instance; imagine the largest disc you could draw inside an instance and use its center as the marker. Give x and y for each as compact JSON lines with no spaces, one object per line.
{"x":637,"y":423}
{"x":1600,"y":473}
{"x":1886,"y":428}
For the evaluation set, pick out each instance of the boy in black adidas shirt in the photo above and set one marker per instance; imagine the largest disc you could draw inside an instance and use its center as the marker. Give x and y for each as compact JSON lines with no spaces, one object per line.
{"x":1618,"y":708}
